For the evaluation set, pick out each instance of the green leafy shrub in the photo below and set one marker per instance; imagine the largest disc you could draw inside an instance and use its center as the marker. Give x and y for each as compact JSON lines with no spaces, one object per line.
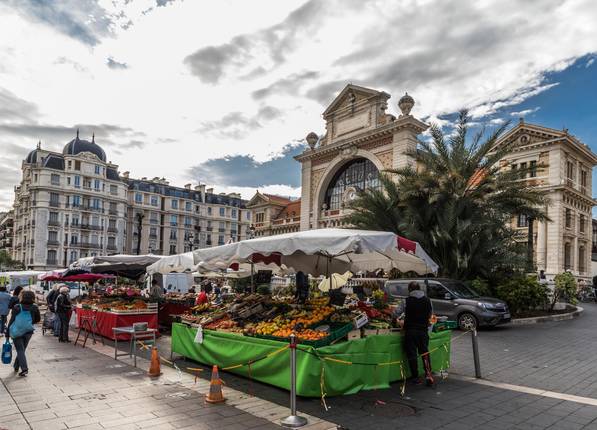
{"x":480,"y":286}
{"x":523,"y":293}
{"x":565,"y":288}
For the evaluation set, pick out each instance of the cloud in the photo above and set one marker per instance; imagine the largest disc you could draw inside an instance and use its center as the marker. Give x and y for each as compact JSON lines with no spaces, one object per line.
{"x":268,"y":47}
{"x":246,"y":171}
{"x":525,"y":112}
{"x":116,"y":65}
{"x":285,"y":86}
{"x":15,"y":108}
{"x":235,"y":125}
{"x":84,"y":20}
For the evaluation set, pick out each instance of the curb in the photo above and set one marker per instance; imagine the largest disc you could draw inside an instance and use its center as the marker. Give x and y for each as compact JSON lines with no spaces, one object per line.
{"x":548,"y":318}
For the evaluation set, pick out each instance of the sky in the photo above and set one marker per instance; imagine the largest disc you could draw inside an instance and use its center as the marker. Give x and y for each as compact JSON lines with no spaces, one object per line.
{"x":224,"y":92}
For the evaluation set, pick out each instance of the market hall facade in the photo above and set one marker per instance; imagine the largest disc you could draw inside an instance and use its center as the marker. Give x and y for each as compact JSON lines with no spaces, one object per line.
{"x":362,"y":139}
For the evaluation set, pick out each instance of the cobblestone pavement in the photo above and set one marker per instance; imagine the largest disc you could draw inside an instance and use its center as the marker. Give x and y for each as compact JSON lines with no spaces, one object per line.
{"x":59,"y":389}
{"x":71,"y":387}
{"x":557,"y":356}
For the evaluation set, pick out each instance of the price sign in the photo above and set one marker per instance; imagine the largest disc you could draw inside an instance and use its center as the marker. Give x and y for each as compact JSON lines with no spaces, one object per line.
{"x":199,"y":335}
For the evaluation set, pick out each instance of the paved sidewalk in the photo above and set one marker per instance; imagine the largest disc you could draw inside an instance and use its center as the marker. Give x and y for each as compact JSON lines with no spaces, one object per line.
{"x":71,"y":387}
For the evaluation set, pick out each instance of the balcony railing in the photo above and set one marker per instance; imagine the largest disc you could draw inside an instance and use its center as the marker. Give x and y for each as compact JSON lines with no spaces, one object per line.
{"x":54,"y":204}
{"x":51,"y":262}
{"x":113,"y":211}
{"x":84,"y":226}
{"x":112,"y":229}
{"x":52,"y":242}
{"x":54,"y":223}
{"x":111,"y":247}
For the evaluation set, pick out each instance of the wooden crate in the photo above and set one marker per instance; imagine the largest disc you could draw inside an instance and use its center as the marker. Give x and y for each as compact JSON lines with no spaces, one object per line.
{"x":354,"y":334}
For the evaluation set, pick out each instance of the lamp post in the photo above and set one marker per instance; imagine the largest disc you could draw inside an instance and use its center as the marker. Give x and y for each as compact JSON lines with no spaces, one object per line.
{"x":139,"y":217}
{"x":251,"y":231}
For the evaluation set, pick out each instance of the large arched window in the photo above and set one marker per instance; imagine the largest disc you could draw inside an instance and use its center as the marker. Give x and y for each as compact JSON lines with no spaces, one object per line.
{"x":359,"y":174}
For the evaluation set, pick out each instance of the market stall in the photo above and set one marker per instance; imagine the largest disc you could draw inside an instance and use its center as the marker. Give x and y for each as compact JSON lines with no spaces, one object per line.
{"x":115,"y":307}
{"x":175,"y":304}
{"x":343,"y":368}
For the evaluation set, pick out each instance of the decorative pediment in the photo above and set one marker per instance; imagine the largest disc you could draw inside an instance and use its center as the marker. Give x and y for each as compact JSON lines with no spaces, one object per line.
{"x":351,"y":97}
{"x":524,"y":134}
{"x":257,"y":199}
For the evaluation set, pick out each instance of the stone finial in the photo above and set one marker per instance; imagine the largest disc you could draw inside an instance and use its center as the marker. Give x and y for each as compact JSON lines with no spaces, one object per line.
{"x":39,"y":144}
{"x":93,"y":137}
{"x":77,"y":133}
{"x":405,"y":104}
{"x":312,"y":139}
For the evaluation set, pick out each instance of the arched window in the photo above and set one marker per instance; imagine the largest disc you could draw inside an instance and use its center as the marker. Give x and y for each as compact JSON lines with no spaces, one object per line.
{"x":581,"y":259}
{"x":360,"y":174}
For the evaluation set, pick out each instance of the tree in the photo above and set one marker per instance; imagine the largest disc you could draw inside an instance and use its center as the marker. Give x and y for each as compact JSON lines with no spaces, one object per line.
{"x":457,"y":202}
{"x":565,"y":288}
{"x":6,"y":261}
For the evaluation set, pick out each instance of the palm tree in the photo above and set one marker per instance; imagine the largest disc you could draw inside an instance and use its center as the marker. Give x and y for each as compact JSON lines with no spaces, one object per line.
{"x":458,"y":202}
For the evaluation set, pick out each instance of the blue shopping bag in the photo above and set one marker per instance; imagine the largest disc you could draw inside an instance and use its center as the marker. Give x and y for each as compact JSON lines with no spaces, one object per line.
{"x":23,"y":323}
{"x":7,"y":352}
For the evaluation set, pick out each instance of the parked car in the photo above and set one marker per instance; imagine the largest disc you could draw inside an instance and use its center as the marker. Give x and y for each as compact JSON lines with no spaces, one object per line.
{"x":455,"y":300}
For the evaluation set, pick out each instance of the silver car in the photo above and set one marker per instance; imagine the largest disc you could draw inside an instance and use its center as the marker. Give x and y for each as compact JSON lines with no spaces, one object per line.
{"x":455,"y":300}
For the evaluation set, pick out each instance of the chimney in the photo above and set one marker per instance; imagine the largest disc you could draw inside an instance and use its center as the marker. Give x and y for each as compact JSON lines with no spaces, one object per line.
{"x":126,"y":174}
{"x":187,"y":186}
{"x":209,"y":191}
{"x":144,"y":178}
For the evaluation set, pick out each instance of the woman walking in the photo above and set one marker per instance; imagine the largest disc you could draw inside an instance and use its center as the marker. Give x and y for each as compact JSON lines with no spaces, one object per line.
{"x":20,"y":327}
{"x":63,"y":309}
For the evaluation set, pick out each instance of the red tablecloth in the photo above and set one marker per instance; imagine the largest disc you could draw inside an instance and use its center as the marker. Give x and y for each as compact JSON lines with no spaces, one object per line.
{"x":167,"y":309}
{"x":105,"y":321}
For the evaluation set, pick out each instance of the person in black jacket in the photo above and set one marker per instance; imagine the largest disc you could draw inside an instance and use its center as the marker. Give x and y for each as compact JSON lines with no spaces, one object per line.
{"x":15,"y":297}
{"x":63,"y":310}
{"x":26,"y":304}
{"x":417,"y":312}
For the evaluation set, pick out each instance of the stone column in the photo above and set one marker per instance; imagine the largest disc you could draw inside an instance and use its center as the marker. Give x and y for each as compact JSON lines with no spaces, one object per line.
{"x":540,"y":255}
{"x":575,"y":256}
{"x":404,"y":140}
{"x":554,"y":237}
{"x":306,"y":195}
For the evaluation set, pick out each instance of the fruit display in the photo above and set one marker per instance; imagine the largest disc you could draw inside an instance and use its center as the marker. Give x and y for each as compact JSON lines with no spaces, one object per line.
{"x":109,"y":303}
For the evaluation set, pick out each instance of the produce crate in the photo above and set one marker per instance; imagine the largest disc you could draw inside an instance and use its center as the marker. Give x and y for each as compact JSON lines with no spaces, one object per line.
{"x":354,"y":334}
{"x":444,"y":325}
{"x":360,"y":320}
{"x":337,"y":331}
{"x":375,"y":331}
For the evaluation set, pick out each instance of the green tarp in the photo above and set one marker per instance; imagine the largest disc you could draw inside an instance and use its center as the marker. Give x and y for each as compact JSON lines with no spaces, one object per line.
{"x":339,"y":377}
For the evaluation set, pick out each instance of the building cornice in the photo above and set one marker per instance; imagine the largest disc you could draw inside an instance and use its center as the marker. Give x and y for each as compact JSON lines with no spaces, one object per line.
{"x":408,"y":122}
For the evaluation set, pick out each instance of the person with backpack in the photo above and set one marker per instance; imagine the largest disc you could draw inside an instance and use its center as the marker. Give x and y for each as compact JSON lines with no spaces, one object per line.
{"x":63,"y":311}
{"x":4,"y":308}
{"x":20,"y":327}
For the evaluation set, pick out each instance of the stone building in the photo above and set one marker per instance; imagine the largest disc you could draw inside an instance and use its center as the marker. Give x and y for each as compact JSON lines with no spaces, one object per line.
{"x":69,"y":204}
{"x":361,"y":139}
{"x":177,"y":219}
{"x":6,"y":231}
{"x":562,"y":166}
{"x":274,"y":214}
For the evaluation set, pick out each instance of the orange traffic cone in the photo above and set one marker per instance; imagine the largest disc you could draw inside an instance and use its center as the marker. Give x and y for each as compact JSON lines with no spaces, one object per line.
{"x":215,"y":388}
{"x":154,"y":367}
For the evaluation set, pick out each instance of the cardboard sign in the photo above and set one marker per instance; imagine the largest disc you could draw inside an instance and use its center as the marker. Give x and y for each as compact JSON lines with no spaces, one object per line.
{"x":199,"y":335}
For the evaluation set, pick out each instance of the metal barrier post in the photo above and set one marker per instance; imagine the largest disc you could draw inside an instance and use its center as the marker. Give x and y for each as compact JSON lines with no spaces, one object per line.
{"x":293,"y":421}
{"x":476,"y":353}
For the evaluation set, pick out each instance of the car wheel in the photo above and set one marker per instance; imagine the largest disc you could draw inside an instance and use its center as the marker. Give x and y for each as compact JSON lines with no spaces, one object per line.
{"x":467,"y":321}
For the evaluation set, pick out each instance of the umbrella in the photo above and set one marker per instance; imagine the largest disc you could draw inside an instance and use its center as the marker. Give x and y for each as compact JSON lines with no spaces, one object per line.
{"x":335,"y":281}
{"x":86,"y":277}
{"x":325,"y":251}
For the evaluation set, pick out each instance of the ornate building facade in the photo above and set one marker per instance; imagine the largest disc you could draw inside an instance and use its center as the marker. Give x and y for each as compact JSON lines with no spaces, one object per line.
{"x":562,"y":166}
{"x":361,"y":140}
{"x":274,"y":214}
{"x":69,"y":204}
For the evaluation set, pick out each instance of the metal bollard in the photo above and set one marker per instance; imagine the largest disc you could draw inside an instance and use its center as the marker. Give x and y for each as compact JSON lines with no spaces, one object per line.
{"x":293,"y":421}
{"x":476,"y":353}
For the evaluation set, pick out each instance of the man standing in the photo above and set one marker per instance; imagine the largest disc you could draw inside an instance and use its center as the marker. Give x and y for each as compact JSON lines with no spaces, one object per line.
{"x":63,"y":311}
{"x":417,"y":312}
{"x":51,"y":302}
{"x":156,"y":293}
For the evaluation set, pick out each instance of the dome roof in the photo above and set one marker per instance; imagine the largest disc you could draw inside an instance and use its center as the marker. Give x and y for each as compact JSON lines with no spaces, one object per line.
{"x":77,"y":146}
{"x":32,"y":157}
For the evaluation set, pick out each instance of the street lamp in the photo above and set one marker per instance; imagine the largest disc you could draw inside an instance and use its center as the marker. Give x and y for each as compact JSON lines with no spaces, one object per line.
{"x":139,"y":217}
{"x":191,"y":240}
{"x":251,"y":231}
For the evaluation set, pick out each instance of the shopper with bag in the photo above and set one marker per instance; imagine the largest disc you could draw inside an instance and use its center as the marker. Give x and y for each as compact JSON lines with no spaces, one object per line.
{"x":63,"y":312}
{"x":22,"y":318}
{"x":4,"y":303}
{"x":51,"y":302}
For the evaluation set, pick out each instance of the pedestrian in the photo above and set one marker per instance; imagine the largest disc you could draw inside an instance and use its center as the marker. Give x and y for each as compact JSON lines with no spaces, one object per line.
{"x":202,"y":296}
{"x":63,"y":310}
{"x":192,"y":289}
{"x":417,"y":312}
{"x":156,"y":292}
{"x":22,"y":318}
{"x":15,"y":297}
{"x":51,"y":302}
{"x":4,"y":308}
